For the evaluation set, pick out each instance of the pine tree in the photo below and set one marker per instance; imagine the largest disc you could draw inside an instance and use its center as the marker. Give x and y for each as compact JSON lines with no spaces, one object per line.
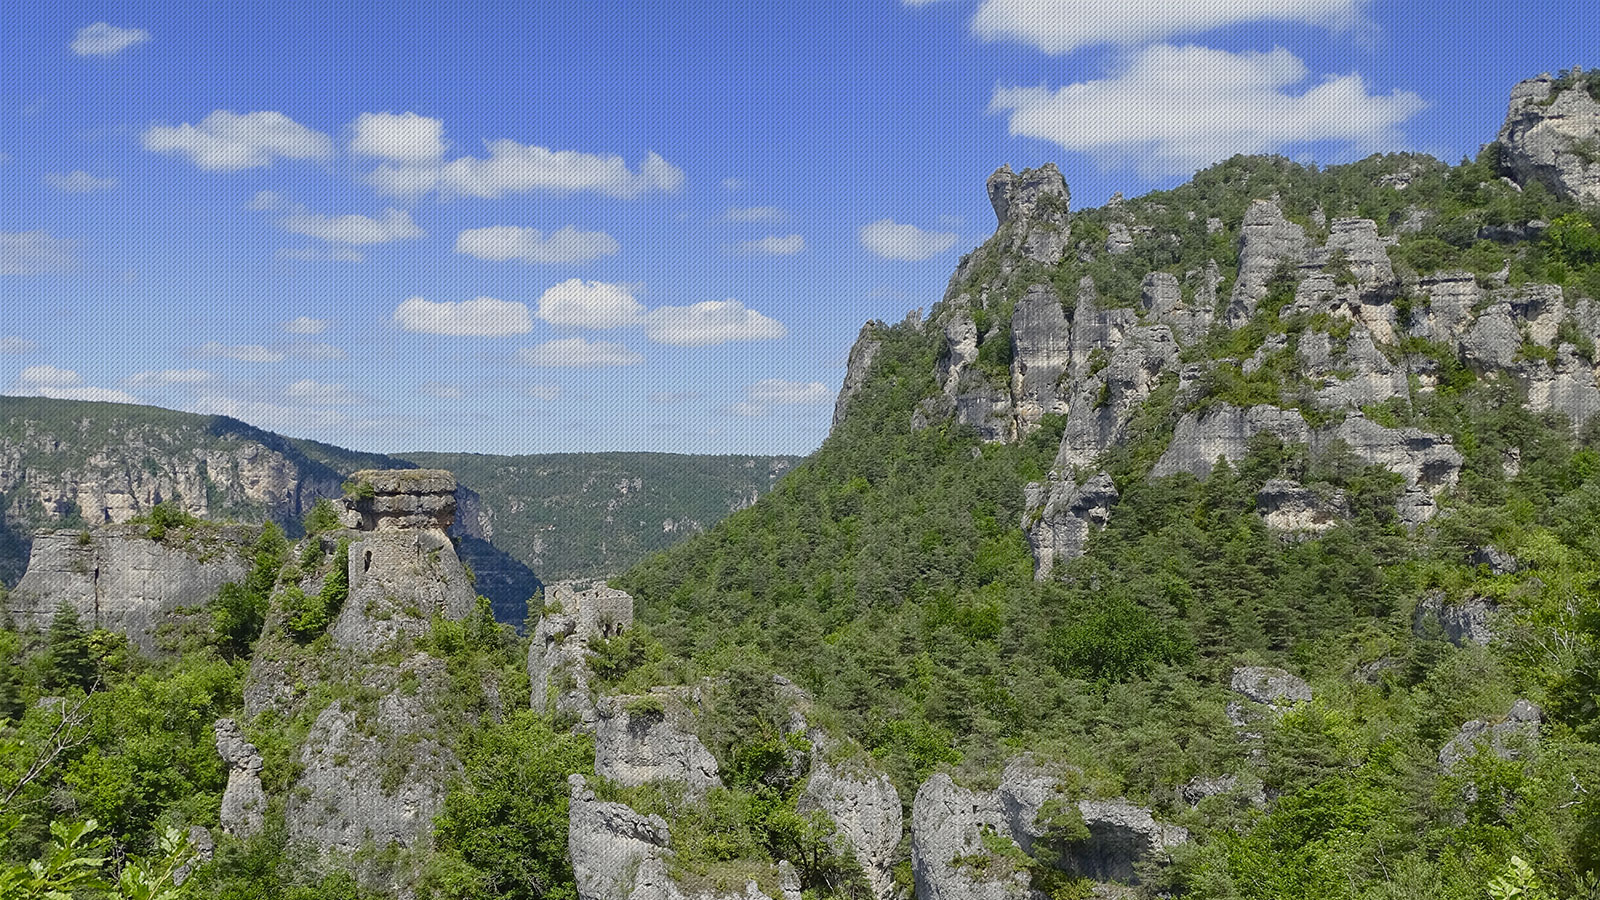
{"x":71,"y":664}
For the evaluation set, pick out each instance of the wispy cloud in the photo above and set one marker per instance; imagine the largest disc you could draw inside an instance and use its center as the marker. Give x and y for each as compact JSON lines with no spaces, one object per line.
{"x":250,"y":353}
{"x":1062,"y":26}
{"x":407,"y":139}
{"x":105,"y":39}
{"x":480,"y":317}
{"x":499,"y":243}
{"x":34,"y":253}
{"x":305,"y":325}
{"x":226,"y":141}
{"x":513,"y":168}
{"x":63,"y":384}
{"x":906,"y":243}
{"x":579,"y":353}
{"x":79,"y":182}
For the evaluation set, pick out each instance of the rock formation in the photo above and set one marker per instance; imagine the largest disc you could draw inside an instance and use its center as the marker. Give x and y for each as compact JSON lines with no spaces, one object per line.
{"x":642,"y":739}
{"x":244,"y":803}
{"x":862,"y":354}
{"x":575,"y":613}
{"x":609,"y":844}
{"x":1552,"y":135}
{"x":1469,"y":621}
{"x":866,"y":809}
{"x":1506,"y":739}
{"x":1290,"y":507}
{"x":1058,"y":520}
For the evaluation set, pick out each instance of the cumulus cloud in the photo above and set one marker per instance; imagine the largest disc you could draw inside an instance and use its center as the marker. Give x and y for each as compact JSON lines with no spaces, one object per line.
{"x":1198,"y":106}
{"x":79,"y":182}
{"x":250,"y":353}
{"x":708,"y":323}
{"x":481,"y":317}
{"x":305,"y":325}
{"x":499,"y":243}
{"x":321,"y":393}
{"x":408,"y":139}
{"x":754,"y":214}
{"x":577,"y":352}
{"x":513,"y":168}
{"x":1061,"y":26}
{"x":167,"y":378}
{"x":11,"y":345}
{"x":772,"y":245}
{"x":105,"y":39}
{"x":63,"y":384}
{"x":589,"y":304}
{"x":907,"y":243}
{"x":353,"y":229}
{"x":34,"y":253}
{"x":229,"y":142}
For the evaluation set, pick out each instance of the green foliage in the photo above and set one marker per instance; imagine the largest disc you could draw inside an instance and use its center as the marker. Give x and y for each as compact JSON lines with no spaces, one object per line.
{"x":240,"y":609}
{"x":73,"y":866}
{"x":306,"y":618}
{"x":1116,"y":641}
{"x":71,"y":663}
{"x":322,"y":517}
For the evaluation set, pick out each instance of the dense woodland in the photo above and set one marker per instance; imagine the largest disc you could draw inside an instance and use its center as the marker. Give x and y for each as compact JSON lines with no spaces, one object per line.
{"x":889,"y":576}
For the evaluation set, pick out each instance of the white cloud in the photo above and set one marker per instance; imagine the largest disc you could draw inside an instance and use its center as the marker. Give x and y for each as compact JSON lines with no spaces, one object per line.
{"x":748,"y":409}
{"x":443,"y":390}
{"x":335,"y":253}
{"x":105,"y":39}
{"x":34,"y":253}
{"x":577,"y":352}
{"x":321,"y":393}
{"x":79,"y":182}
{"x":1061,"y":26}
{"x":353,"y":229}
{"x":408,"y":139}
{"x":167,"y":378}
{"x":481,"y":317}
{"x":1198,"y":106}
{"x":250,"y":353}
{"x":228,"y":142}
{"x":907,"y":243}
{"x":15,"y":346}
{"x":63,"y":384}
{"x":710,"y":322}
{"x":589,"y":304}
{"x":313,"y":350}
{"x":513,"y":168}
{"x":772,"y":245}
{"x":499,"y":243}
{"x":754,"y":214}
{"x":268,"y":200}
{"x":305,"y":325}
{"x":776,"y":391}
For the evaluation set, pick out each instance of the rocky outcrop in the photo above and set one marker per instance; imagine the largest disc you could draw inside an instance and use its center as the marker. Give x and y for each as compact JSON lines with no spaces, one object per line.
{"x":638,"y":740}
{"x":400,"y":500}
{"x":1429,"y":463}
{"x":119,"y":579}
{"x":1042,"y":355}
{"x":1552,"y":135}
{"x":244,"y":803}
{"x":865,"y":808}
{"x":374,"y":775}
{"x":1270,"y":686}
{"x":399,"y":580}
{"x":1162,"y":297}
{"x":1224,"y":432}
{"x":1469,"y":621}
{"x":1122,"y":836}
{"x":575,"y":613}
{"x":1292,"y":508}
{"x":1267,"y":241}
{"x":862,"y":354}
{"x":1036,"y":206}
{"x":609,"y":845}
{"x":1506,"y":739}
{"x":1058,"y":519}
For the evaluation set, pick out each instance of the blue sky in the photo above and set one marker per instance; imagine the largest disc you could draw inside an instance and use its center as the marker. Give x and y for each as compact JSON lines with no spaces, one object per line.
{"x":640,"y":225}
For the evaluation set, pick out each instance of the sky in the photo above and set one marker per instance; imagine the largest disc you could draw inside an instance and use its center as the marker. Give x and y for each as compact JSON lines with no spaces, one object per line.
{"x":625,"y":224}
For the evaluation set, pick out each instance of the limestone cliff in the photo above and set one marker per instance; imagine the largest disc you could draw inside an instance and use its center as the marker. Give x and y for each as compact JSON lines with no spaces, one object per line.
{"x":1552,"y":134}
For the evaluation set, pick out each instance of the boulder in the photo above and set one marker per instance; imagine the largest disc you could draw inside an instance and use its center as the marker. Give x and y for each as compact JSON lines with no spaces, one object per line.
{"x":1506,"y":739}
{"x":609,"y":844}
{"x":652,"y":741}
{"x":1271,"y":686}
{"x":1467,"y":622}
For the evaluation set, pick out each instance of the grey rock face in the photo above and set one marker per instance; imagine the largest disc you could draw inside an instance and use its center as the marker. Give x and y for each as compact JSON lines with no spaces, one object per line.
{"x":1270,"y":686}
{"x":1266,"y":241}
{"x":968,"y":395}
{"x":244,"y":803}
{"x":1352,"y":375}
{"x":1499,"y":562}
{"x":1506,"y":738}
{"x":609,"y":843}
{"x":403,"y":500}
{"x":1429,"y":463}
{"x":1449,"y":302}
{"x":1161,"y":295}
{"x":122,"y":581}
{"x":1569,"y":387}
{"x":1469,"y":621}
{"x":866,"y":809}
{"x":398,"y":581}
{"x":1363,"y":250}
{"x":634,"y":748}
{"x":862,"y":354}
{"x":1494,"y":339}
{"x":1121,"y":836}
{"x":354,"y":788}
{"x":1552,"y":139}
{"x":1036,"y":204}
{"x":1291,"y":507}
{"x":1041,"y":338}
{"x":1064,"y":517}
{"x":947,"y":826}
{"x":558,"y":669}
{"x":1119,"y":239}
{"x":1223,"y":431}
{"x":1116,"y":364}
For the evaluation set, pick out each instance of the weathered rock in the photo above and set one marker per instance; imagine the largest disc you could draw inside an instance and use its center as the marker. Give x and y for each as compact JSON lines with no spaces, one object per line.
{"x":1429,"y":463}
{"x":1270,"y":686}
{"x":1571,"y":386}
{"x":401,"y":500}
{"x":1447,"y":306}
{"x":1266,"y":241}
{"x":947,"y":828}
{"x":1358,"y":243}
{"x":1494,"y":339}
{"x":1224,"y":432}
{"x":1291,"y":507}
{"x":609,"y":844}
{"x":862,"y":354}
{"x":244,"y":803}
{"x":1506,"y":739}
{"x":118,"y":579}
{"x":1121,"y":837}
{"x":788,"y":880}
{"x":1161,"y":295}
{"x":558,"y":671}
{"x":398,"y":581}
{"x":1552,"y":137}
{"x":1041,"y":338}
{"x":1119,"y":239}
{"x":1467,"y":622}
{"x":1116,"y":365}
{"x":1351,"y":373}
{"x":968,"y":394}
{"x":1036,"y":206}
{"x":1058,"y":518}
{"x":866,"y":809}
{"x":651,"y":742}
{"x":1499,"y":562}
